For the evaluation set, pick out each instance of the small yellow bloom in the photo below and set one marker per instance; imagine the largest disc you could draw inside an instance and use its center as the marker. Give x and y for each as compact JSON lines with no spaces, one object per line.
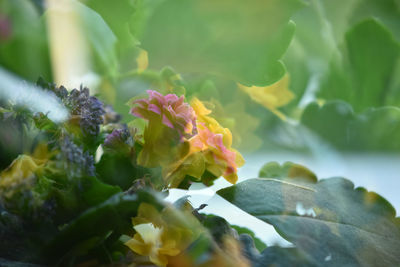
{"x":154,"y":242}
{"x":272,"y":96}
{"x":160,"y":235}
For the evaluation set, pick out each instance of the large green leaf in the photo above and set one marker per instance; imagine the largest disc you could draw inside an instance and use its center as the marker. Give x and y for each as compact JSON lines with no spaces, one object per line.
{"x":329,"y":221}
{"x":240,"y":40}
{"x":321,"y":30}
{"x":376,"y":129}
{"x":365,"y":73}
{"x":386,"y":11}
{"x":116,"y":15}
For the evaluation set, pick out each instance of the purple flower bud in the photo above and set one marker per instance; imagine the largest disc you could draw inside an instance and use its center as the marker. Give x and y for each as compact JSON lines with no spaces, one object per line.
{"x":117,"y":138}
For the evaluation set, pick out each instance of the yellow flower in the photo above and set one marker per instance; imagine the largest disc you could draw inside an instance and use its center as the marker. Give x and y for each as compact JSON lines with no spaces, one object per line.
{"x":20,"y":172}
{"x":154,"y":242}
{"x":215,"y":142}
{"x":162,"y":235}
{"x":184,"y":140}
{"x":272,"y":96}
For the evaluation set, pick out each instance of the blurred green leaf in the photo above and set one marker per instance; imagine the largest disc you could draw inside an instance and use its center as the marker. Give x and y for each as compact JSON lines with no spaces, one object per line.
{"x":25,"y":50}
{"x":288,"y":169}
{"x":376,"y":129}
{"x":332,"y":223}
{"x":240,"y":40}
{"x":127,"y":171}
{"x":362,"y":75}
{"x":101,"y":39}
{"x":108,"y":216}
{"x":95,"y":192}
{"x":321,"y":30}
{"x":385,"y":11}
{"x":118,"y":15}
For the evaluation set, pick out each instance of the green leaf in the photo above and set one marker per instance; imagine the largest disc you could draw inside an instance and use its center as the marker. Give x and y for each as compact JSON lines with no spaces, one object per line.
{"x":239,"y":40}
{"x":95,"y":192}
{"x":376,"y":129}
{"x":386,"y":11}
{"x":329,"y":221}
{"x":364,"y":73}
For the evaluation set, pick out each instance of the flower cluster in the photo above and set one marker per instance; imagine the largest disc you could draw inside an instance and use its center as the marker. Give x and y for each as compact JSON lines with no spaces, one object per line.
{"x":170,"y":110}
{"x":171,"y":121}
{"x":86,"y":109}
{"x":76,"y":162}
{"x":215,"y":142}
{"x":184,"y":140}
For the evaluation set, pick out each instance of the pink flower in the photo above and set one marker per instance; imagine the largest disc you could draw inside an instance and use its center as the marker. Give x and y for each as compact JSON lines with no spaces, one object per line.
{"x":170,"y":110}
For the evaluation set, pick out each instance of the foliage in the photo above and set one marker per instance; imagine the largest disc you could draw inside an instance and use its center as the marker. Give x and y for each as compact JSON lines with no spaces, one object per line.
{"x":328,"y":221}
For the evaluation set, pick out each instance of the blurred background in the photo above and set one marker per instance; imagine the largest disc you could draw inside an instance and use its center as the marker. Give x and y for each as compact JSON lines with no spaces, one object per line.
{"x":314,"y":82}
